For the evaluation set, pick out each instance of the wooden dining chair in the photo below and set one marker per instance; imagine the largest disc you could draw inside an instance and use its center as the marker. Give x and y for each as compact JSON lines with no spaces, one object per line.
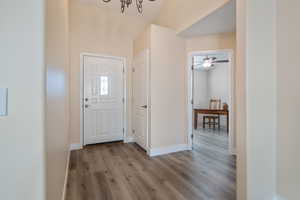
{"x":213,"y":120}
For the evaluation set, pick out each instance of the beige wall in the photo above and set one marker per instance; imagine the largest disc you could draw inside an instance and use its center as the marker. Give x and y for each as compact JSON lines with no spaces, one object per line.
{"x":257,"y":68}
{"x":142,"y":42}
{"x":179,"y":15}
{"x":288,"y":95}
{"x":240,"y":89}
{"x":22,"y":72}
{"x":211,"y":42}
{"x":57,"y":102}
{"x":168,"y":88}
{"x":100,"y":31}
{"x":261,"y":99}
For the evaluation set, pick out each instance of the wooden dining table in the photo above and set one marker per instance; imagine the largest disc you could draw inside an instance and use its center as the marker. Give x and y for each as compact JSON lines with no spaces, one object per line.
{"x":198,"y":111}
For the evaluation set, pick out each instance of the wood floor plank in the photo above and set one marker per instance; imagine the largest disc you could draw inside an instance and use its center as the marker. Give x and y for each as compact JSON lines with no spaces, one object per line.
{"x":120,"y":171}
{"x":85,"y":185}
{"x":149,"y":174}
{"x":112,"y":172}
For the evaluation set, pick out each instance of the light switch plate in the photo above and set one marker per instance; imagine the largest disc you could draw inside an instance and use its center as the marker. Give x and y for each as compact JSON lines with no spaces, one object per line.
{"x":3,"y":101}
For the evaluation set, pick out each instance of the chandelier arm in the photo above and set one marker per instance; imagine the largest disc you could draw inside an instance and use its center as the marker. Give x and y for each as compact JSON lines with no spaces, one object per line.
{"x":127,"y":3}
{"x":123,"y":3}
{"x":139,"y":5}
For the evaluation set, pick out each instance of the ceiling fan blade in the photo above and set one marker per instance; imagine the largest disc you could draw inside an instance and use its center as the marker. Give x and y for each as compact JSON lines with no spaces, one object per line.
{"x":221,"y":61}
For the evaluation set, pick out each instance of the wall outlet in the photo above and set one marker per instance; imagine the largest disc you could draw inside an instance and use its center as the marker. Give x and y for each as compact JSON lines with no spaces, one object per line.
{"x":3,"y":101}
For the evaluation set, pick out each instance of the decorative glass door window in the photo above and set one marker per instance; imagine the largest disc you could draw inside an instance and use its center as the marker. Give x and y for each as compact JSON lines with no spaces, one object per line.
{"x":101,"y":86}
{"x":104,"y":86}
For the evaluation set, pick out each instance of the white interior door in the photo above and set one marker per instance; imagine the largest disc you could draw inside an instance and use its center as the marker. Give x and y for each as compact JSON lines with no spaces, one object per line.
{"x":140,"y":99}
{"x":103,"y":100}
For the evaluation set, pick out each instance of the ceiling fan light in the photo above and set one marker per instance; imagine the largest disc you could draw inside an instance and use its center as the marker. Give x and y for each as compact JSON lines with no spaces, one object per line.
{"x":207,"y":64}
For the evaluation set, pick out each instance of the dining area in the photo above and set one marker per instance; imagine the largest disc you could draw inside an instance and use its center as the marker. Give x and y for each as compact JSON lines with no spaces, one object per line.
{"x":212,"y":115}
{"x":211,"y":126}
{"x":212,"y":106}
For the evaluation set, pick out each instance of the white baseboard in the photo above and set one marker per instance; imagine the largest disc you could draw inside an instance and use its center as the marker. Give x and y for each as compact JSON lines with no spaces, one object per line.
{"x":75,"y":147}
{"x":129,"y":140}
{"x":166,"y":150}
{"x":66,"y":177}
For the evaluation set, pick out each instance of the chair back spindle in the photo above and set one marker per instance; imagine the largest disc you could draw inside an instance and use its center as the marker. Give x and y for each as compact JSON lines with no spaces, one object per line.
{"x":215,"y":104}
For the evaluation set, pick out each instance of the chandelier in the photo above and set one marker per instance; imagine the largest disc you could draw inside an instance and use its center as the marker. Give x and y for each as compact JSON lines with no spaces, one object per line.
{"x":127,"y":3}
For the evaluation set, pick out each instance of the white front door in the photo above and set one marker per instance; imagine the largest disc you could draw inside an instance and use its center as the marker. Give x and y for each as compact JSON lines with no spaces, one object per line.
{"x":140,"y":102}
{"x":103,"y":99}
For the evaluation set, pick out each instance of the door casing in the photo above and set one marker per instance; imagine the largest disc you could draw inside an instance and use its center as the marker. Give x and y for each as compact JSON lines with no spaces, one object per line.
{"x":232,"y":136}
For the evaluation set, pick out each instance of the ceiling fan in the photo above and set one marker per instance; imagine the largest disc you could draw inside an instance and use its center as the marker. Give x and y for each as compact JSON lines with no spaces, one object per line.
{"x":209,"y":62}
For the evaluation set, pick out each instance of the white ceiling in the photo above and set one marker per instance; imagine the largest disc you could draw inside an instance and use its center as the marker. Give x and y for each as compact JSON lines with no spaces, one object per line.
{"x":222,"y":20}
{"x":150,"y":8}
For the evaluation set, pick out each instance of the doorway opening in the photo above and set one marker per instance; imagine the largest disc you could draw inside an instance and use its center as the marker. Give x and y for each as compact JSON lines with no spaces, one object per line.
{"x":103,"y":99}
{"x":211,"y":106}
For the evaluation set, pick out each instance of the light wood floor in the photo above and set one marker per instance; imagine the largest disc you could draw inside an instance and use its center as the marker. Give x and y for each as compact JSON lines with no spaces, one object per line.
{"x":120,"y":171}
{"x":216,"y":140}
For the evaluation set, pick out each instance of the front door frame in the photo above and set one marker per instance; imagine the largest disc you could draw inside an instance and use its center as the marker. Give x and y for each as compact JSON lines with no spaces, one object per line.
{"x":82,"y":55}
{"x":230,"y":52}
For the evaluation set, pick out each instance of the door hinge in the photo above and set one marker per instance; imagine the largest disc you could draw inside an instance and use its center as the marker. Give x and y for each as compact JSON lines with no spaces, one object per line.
{"x":192,"y":101}
{"x":123,"y":130}
{"x":133,"y":131}
{"x":192,"y":67}
{"x":133,"y":69}
{"x":123,"y":100}
{"x":192,"y":136}
{"x":123,"y":69}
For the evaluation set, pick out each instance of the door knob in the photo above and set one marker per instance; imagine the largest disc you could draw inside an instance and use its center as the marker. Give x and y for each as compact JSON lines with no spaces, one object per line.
{"x":145,"y":106}
{"x":86,"y":106}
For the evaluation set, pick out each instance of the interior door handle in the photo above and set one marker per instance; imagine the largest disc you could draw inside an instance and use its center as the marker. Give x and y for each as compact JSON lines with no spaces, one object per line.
{"x":145,"y":106}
